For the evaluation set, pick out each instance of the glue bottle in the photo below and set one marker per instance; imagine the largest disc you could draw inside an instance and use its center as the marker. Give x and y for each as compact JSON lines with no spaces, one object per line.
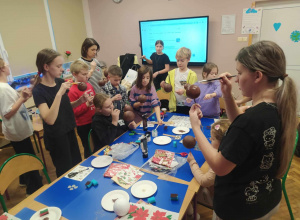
{"x":144,"y":147}
{"x":145,"y":125}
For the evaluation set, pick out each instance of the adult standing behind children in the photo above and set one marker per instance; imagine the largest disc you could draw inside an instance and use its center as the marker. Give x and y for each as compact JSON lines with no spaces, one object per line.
{"x":49,"y":94}
{"x":114,"y":89}
{"x":89,"y":50}
{"x":210,"y":92}
{"x":84,"y":112}
{"x":178,"y":78}
{"x":258,"y":145}
{"x":16,"y":124}
{"x":160,"y":62}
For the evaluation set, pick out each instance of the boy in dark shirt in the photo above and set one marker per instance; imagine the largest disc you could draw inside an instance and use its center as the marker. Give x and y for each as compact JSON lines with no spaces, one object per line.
{"x":107,"y":124}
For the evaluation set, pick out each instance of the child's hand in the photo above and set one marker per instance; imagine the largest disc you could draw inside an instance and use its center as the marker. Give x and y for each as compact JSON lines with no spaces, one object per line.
{"x":93,"y":65}
{"x":132,"y":125}
{"x":162,"y":84}
{"x":155,"y":75}
{"x":115,"y":114}
{"x":89,"y":101}
{"x":190,"y":157}
{"x":208,"y":96}
{"x":117,"y":97}
{"x":26,"y":94}
{"x":180,"y":91}
{"x":137,"y":105}
{"x":143,"y":57}
{"x":63,"y":88}
{"x":195,"y":115}
{"x":84,"y":98}
{"x":188,"y":100}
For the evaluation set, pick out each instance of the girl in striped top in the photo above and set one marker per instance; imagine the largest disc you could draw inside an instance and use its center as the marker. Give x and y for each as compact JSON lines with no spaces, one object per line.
{"x":145,"y":87}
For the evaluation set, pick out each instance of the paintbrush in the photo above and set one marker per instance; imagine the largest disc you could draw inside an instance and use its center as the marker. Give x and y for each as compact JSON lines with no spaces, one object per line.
{"x":209,"y":80}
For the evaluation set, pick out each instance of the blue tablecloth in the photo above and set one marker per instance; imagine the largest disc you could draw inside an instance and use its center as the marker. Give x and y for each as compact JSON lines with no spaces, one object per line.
{"x":82,"y":203}
{"x":25,"y":213}
{"x":183,"y":172}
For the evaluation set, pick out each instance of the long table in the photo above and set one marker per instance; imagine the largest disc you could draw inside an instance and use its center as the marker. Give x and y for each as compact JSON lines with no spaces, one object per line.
{"x":83,"y":203}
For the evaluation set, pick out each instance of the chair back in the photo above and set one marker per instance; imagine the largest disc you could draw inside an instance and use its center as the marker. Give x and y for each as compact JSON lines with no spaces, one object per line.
{"x":295,"y":146}
{"x":284,"y":179}
{"x":163,"y":95}
{"x":91,"y":142}
{"x":15,"y":166}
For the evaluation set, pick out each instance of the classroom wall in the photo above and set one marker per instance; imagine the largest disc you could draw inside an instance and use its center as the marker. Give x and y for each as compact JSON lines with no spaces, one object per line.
{"x":24,"y":29}
{"x":116,"y":26}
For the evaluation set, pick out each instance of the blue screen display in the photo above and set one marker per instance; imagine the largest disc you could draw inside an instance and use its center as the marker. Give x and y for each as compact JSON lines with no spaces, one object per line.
{"x":175,"y":33}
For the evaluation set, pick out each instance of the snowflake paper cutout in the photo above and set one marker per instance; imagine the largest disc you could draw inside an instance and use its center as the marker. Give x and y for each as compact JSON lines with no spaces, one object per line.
{"x":295,"y":36}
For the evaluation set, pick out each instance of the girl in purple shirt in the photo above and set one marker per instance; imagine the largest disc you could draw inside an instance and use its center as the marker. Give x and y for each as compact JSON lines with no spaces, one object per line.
{"x":210,"y":93}
{"x":144,"y":87}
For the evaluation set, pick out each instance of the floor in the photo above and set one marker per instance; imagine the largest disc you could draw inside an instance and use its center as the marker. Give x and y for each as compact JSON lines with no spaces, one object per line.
{"x":17,"y":193}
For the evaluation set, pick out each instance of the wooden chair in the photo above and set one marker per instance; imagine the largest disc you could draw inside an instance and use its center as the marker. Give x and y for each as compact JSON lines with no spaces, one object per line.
{"x":90,"y":142}
{"x":163,"y":95}
{"x":16,"y":165}
{"x":284,"y":179}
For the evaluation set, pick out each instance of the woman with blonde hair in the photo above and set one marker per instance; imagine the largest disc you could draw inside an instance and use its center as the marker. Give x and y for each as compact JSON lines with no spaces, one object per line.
{"x":255,"y":152}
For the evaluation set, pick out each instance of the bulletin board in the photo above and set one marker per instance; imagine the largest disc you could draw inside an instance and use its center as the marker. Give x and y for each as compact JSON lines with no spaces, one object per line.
{"x":280,"y":23}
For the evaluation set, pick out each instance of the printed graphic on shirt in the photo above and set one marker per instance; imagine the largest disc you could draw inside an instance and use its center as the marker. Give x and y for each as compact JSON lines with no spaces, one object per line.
{"x":269,"y":137}
{"x":267,"y":161}
{"x":23,"y":112}
{"x":251,"y":192}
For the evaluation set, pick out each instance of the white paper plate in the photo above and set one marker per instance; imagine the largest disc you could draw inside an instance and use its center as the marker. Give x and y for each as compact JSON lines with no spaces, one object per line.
{"x":102,"y":161}
{"x":107,"y":201}
{"x":181,"y":130}
{"x":54,"y":214}
{"x":143,"y":189}
{"x":162,"y":140}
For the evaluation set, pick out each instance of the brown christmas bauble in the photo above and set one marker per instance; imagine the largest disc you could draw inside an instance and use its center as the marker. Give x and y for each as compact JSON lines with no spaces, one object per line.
{"x":193,"y":92}
{"x":142,"y":98}
{"x":82,"y":86}
{"x":128,"y":116}
{"x":189,"y":142}
{"x":128,"y":108}
{"x":102,"y":82}
{"x":168,"y":87}
{"x":186,"y":86}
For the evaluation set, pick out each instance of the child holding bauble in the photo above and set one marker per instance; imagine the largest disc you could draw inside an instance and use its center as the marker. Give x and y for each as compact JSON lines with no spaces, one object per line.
{"x":178,"y":78}
{"x":84,"y":112}
{"x":144,"y":86}
{"x":114,"y":89}
{"x":160,"y":62}
{"x":207,"y":179}
{"x":56,"y":110}
{"x":210,"y":92}
{"x":107,"y":122}
{"x":16,"y":124}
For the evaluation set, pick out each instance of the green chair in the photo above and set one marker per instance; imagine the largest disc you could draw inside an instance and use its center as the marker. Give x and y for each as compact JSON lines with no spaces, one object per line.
{"x":90,"y":142}
{"x":16,"y":165}
{"x":284,"y":179}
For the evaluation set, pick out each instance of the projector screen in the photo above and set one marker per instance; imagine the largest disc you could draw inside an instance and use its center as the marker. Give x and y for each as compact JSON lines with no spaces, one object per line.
{"x":175,"y":33}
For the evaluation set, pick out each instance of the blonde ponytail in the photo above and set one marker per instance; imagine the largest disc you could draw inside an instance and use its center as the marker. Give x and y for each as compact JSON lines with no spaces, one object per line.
{"x":286,"y":100}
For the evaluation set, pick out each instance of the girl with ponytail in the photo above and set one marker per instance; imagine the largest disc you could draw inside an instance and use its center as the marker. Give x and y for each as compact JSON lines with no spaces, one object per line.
{"x":50,"y":97}
{"x":256,"y":150}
